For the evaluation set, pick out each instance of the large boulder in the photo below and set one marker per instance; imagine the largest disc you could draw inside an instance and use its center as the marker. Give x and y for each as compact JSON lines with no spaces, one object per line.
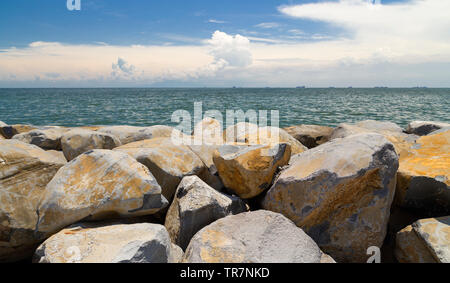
{"x":252,"y":237}
{"x":423,"y":128}
{"x":206,"y":154}
{"x":3,"y":124}
{"x":78,"y":141}
{"x":209,"y":131}
{"x":426,"y":241}
{"x":253,"y":135}
{"x":46,"y":139}
{"x":25,"y":171}
{"x":168,"y":162}
{"x":424,"y":176}
{"x":195,"y":206}
{"x":99,"y":184}
{"x":248,"y":170}
{"x":310,"y":135}
{"x":51,"y":156}
{"x":340,"y":194}
{"x":12,"y":130}
{"x":92,"y":243}
{"x":129,"y":134}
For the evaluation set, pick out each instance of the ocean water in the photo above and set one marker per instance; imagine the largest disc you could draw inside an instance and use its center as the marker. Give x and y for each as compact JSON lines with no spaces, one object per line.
{"x":151,"y":106}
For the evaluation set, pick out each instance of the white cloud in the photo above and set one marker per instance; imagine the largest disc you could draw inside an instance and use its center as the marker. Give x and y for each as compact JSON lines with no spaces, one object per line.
{"x":122,"y":68}
{"x":213,"y":21}
{"x":268,"y":25}
{"x":234,"y":50}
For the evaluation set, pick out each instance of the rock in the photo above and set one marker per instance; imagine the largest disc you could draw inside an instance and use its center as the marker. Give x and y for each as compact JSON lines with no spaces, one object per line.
{"x":422,"y":128}
{"x":46,"y":139}
{"x":12,"y":130}
{"x":195,"y":206}
{"x":49,"y":156}
{"x":78,"y":141}
{"x":253,"y":135}
{"x":168,"y":162}
{"x":176,"y":254}
{"x":89,"y":243}
{"x":426,"y":241}
{"x":340,"y":194}
{"x":99,"y":184}
{"x":129,"y":134}
{"x":249,"y":170}
{"x":252,"y":237}
{"x":424,"y":176}
{"x":206,"y":153}
{"x":209,"y":131}
{"x":58,"y":156}
{"x":25,"y":171}
{"x":310,"y":135}
{"x":3,"y":124}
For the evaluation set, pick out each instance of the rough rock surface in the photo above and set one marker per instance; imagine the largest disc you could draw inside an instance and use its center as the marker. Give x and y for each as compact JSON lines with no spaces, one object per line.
{"x":129,"y":134}
{"x":25,"y":171}
{"x":195,"y":206}
{"x":78,"y":141}
{"x":252,"y":134}
{"x":168,"y":162}
{"x":88,"y":243}
{"x":37,"y":152}
{"x":340,"y":194}
{"x":426,"y":241}
{"x":249,"y":170}
{"x":310,"y":135}
{"x":12,"y":130}
{"x":424,"y":176}
{"x":209,"y":131}
{"x":46,"y":139}
{"x":423,"y":128}
{"x":97,"y":185}
{"x":252,"y":237}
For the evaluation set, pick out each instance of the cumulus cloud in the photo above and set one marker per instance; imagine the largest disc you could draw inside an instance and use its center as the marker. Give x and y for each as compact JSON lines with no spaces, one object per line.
{"x":229,"y":49}
{"x":122,"y":68}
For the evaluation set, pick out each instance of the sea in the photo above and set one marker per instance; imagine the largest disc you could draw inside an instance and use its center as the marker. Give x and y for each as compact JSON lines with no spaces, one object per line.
{"x":155,"y":106}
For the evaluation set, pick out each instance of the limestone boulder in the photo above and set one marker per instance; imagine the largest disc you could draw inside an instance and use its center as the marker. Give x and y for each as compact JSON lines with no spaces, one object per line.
{"x":91,"y":243}
{"x":424,"y":176}
{"x":168,"y":162}
{"x":78,"y":141}
{"x":58,"y":156}
{"x":310,"y":135}
{"x":252,"y":237}
{"x":3,"y":124}
{"x":50,"y":156}
{"x":25,"y":171}
{"x":195,"y":206}
{"x":12,"y":130}
{"x":48,"y":139}
{"x":340,"y":194}
{"x":129,"y":134}
{"x":209,"y":131}
{"x":99,"y":184}
{"x":423,"y":128}
{"x":206,"y":154}
{"x":248,"y":170}
{"x":426,"y":241}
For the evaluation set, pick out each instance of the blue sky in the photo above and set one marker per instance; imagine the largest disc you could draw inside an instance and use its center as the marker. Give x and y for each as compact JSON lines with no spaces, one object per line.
{"x":229,"y":42}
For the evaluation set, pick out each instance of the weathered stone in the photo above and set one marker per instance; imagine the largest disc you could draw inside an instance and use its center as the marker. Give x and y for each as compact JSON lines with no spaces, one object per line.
{"x":3,"y":124}
{"x":249,"y":170}
{"x":206,"y":153}
{"x":129,"y":134}
{"x":209,"y":131}
{"x":168,"y":162}
{"x":253,"y":135}
{"x":99,"y":184}
{"x":340,"y":194}
{"x":176,"y":254}
{"x":48,"y":156}
{"x":426,"y":241}
{"x":195,"y":206}
{"x":424,"y":176}
{"x":310,"y":135}
{"x":46,"y":139}
{"x":58,"y":156}
{"x":78,"y":141}
{"x":12,"y":130}
{"x":91,"y":243}
{"x":25,"y":170}
{"x":252,"y":237}
{"x":423,"y":128}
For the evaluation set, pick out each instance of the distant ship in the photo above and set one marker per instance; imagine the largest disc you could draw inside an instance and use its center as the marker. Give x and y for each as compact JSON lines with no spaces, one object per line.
{"x":381,"y":87}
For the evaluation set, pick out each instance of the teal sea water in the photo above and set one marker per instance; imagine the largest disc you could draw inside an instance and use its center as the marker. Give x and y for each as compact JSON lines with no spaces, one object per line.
{"x":146,"y":107}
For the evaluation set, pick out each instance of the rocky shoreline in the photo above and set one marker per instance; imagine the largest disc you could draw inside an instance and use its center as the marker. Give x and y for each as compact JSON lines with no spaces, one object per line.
{"x":303,"y":194}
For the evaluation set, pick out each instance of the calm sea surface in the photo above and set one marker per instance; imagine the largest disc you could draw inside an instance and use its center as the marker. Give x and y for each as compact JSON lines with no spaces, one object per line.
{"x":147,"y":107}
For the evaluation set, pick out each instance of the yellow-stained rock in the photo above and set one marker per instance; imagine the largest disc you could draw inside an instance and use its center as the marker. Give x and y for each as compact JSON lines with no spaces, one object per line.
{"x":129,"y":134}
{"x":49,"y":156}
{"x":12,"y":130}
{"x":248,"y":170}
{"x":253,"y":135}
{"x":426,"y":241}
{"x":103,"y":243}
{"x":99,"y":184}
{"x":424,"y":175}
{"x":25,"y":171}
{"x":340,"y":194}
{"x":310,"y":135}
{"x":168,"y":162}
{"x":209,"y":131}
{"x":49,"y":138}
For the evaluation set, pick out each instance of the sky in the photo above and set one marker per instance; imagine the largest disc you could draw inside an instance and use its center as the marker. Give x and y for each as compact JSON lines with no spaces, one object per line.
{"x":211,"y":43}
